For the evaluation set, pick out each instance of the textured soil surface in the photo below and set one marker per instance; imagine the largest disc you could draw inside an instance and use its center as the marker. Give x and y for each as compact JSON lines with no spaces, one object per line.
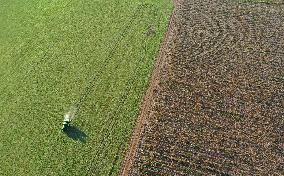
{"x":217,"y":105}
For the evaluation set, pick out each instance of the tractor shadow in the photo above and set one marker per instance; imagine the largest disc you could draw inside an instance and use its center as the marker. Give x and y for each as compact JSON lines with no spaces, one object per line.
{"x":75,"y":133}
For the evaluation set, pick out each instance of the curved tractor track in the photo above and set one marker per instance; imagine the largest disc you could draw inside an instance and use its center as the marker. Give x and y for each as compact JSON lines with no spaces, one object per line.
{"x":216,"y":101}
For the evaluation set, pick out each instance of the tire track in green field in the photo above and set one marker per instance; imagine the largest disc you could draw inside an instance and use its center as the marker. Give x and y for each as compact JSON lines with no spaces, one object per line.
{"x":96,"y":164}
{"x":122,"y":98}
{"x":116,"y":40}
{"x":126,"y":31}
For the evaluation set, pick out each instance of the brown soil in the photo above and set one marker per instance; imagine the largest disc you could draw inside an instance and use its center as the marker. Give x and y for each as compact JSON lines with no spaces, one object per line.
{"x":216,"y":101}
{"x":141,"y":122}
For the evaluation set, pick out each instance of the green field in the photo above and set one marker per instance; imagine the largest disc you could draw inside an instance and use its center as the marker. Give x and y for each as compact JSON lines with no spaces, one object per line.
{"x":54,"y":54}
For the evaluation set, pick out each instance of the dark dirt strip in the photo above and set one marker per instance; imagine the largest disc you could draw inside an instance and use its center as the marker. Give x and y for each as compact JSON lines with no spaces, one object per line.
{"x":216,"y":101}
{"x":145,"y":109}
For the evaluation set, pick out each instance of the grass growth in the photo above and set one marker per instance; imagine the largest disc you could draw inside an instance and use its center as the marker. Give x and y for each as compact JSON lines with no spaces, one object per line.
{"x":52,"y":53}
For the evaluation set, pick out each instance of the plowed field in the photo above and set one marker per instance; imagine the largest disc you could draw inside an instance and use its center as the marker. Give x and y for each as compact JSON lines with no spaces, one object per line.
{"x":216,"y":106}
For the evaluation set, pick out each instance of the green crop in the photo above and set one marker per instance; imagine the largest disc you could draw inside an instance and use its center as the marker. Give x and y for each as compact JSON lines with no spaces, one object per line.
{"x":56,"y":54}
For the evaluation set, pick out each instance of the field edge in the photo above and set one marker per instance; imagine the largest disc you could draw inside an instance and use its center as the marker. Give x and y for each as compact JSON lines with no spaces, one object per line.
{"x":146,"y":101}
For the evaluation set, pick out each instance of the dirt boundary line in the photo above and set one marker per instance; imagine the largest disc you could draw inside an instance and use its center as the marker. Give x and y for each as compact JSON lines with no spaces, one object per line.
{"x":145,"y":108}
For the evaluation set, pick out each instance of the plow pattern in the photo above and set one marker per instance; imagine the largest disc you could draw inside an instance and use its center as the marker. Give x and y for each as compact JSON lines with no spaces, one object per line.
{"x":217,"y":108}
